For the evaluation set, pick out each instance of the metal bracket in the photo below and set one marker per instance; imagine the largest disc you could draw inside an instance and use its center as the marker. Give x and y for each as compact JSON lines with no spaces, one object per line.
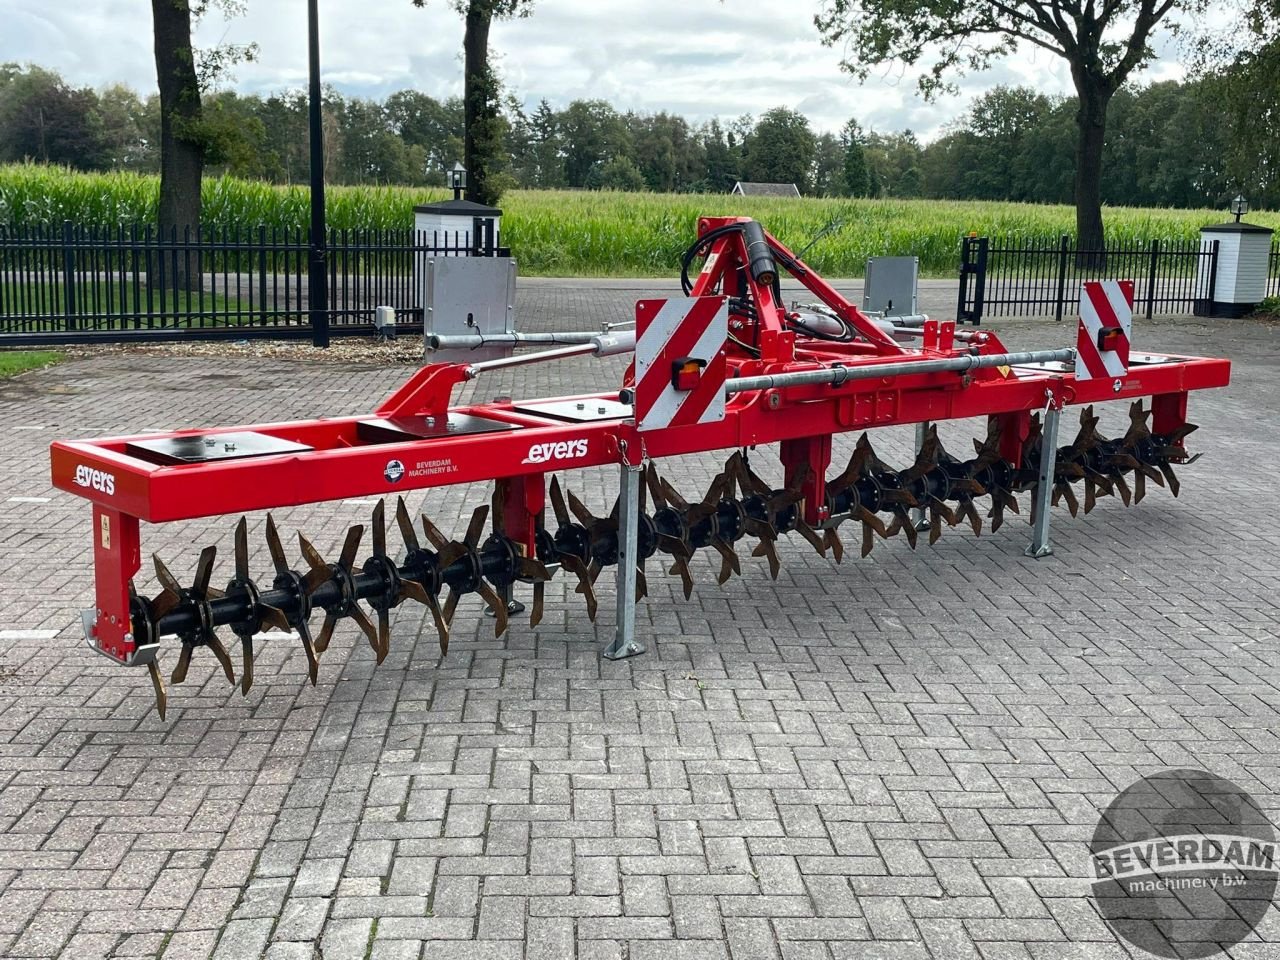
{"x":1042,"y":497}
{"x":624,"y":642}
{"x":142,"y":656}
{"x":918,"y":516}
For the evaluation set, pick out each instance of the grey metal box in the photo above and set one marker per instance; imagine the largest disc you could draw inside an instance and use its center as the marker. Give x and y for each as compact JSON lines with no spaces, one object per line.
{"x":466,"y":296}
{"x":891,"y":286}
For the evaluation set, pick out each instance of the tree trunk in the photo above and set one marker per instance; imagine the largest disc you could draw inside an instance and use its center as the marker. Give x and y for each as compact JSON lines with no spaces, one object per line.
{"x":1091,"y":122}
{"x":181,"y":152}
{"x":480,"y":105}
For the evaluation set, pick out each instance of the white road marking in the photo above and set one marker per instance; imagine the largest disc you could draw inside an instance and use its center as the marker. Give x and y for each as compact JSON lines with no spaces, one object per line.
{"x":362,"y":503}
{"x":28,"y":634}
{"x":28,"y":500}
{"x":30,"y":427}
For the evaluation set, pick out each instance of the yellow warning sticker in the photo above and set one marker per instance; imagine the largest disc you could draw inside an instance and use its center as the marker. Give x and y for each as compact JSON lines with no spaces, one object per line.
{"x":106,"y":532}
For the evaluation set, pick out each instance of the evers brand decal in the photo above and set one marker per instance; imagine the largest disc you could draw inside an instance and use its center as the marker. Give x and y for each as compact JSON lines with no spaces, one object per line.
{"x":95,"y":479}
{"x":564,"y":450}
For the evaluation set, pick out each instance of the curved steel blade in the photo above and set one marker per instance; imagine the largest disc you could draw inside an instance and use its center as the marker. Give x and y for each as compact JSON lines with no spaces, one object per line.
{"x":497,"y":605}
{"x":224,"y":659}
{"x":379,"y":530}
{"x":326,"y":633}
{"x":157,"y":684}
{"x":370,"y":631}
{"x":246,"y":664}
{"x":403,"y":521}
{"x":476,"y":527}
{"x":681,"y":567}
{"x":350,"y":545}
{"x":319,"y":572}
{"x":242,"y":550}
{"x":275,"y":547}
{"x":539,"y":589}
{"x":309,"y":648}
{"x":557,"y":501}
{"x":204,"y":571}
{"x":575,"y":566}
{"x":180,"y":669}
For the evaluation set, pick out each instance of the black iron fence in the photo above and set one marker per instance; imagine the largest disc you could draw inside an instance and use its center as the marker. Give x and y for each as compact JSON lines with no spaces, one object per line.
{"x":1011,"y":278}
{"x":1273,"y":273}
{"x":74,"y":284}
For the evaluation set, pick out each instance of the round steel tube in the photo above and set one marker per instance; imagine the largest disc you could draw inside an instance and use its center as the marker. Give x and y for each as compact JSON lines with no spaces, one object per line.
{"x":874,"y":371}
{"x":442,"y":341}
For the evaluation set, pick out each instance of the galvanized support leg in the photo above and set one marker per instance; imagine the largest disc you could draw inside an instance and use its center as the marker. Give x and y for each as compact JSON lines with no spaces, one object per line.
{"x":625,"y":643}
{"x":1042,"y":497}
{"x":918,"y":516}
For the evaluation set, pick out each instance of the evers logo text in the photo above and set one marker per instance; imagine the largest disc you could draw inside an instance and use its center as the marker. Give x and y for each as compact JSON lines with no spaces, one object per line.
{"x":564,"y":450}
{"x":95,"y":479}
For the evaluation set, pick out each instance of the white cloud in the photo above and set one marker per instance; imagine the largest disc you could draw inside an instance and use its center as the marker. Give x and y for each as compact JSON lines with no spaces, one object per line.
{"x":699,"y":58}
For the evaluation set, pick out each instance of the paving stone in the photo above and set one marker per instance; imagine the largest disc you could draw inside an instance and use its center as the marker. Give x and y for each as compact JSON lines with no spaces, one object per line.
{"x":899,"y":757}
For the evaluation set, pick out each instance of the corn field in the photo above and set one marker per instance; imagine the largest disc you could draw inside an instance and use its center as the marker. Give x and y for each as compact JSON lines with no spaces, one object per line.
{"x":577,"y":233}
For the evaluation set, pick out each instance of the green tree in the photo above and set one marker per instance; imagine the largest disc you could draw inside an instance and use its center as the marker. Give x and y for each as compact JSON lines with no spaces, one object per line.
{"x":1103,"y":44}
{"x":482,"y":150}
{"x":857,"y":183}
{"x":592,"y":133}
{"x":43,"y":119}
{"x":781,"y":149}
{"x":827,"y":179}
{"x":620,"y":174}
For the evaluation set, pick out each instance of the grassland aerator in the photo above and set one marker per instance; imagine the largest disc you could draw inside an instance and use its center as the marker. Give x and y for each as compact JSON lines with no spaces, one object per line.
{"x":729,"y":367}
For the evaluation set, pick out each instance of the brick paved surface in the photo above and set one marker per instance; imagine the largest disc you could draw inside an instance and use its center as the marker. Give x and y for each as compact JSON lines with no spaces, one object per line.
{"x":899,"y":757}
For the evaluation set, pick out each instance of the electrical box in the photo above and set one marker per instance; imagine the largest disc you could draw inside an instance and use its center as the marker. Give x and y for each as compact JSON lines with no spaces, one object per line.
{"x":891,"y":286}
{"x":469,"y":296}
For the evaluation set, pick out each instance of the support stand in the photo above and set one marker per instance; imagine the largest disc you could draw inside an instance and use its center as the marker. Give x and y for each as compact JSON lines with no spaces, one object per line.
{"x":918,"y":516}
{"x":1042,"y":497}
{"x":624,"y":642}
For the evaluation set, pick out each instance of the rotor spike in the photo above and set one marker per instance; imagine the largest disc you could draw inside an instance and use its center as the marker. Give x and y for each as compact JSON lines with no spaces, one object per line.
{"x":451,"y":605}
{"x":204,"y":571}
{"x":157,"y":684}
{"x":384,"y":633}
{"x":767,"y":549}
{"x":275,"y":547}
{"x":1170,"y":477}
{"x":242,"y":550}
{"x":180,"y":669}
{"x":274,"y":617}
{"x":326,"y":633}
{"x":350,"y":546}
{"x":935,"y":525}
{"x":380,"y":529}
{"x":497,"y":605}
{"x":220,"y":652}
{"x":681,"y":567}
{"x":309,"y":648}
{"x":442,"y":625}
{"x":476,"y":527}
{"x":370,"y":631}
{"x":1139,"y":486}
{"x":320,"y":571}
{"x":557,"y":501}
{"x":975,"y":519}
{"x":812,"y":536}
{"x":832,"y":541}
{"x":498,"y":508}
{"x":580,"y":512}
{"x":167,"y":579}
{"x":405,"y":523}
{"x":576,"y":566}
{"x":246,"y":663}
{"x":539,"y":590}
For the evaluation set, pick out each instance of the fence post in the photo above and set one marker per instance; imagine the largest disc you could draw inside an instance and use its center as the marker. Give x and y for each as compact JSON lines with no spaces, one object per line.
{"x":980,"y":285}
{"x":262,"y":272}
{"x":1151,"y":279}
{"x":1213,"y":273}
{"x":962,"y":298}
{"x":68,"y":275}
{"x":1063,"y":249}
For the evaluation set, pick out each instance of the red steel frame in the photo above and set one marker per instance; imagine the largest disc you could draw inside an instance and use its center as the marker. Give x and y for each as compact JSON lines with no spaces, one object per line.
{"x":802,"y":419}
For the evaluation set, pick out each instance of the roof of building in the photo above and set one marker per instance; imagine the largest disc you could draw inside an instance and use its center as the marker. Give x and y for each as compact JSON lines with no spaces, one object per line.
{"x":748,"y":189}
{"x":459,"y":208}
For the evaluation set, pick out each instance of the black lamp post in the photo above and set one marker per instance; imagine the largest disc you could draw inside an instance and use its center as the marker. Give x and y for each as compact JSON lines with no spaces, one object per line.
{"x":317,"y":273}
{"x":1239,"y":206}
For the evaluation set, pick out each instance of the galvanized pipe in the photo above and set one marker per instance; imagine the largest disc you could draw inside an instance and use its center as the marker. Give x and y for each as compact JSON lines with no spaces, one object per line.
{"x":600,"y":345}
{"x":873,"y":371}
{"x":467,"y":341}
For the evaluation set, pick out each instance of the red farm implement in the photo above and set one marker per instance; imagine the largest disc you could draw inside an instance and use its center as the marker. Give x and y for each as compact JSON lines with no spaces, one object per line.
{"x":728,"y":368}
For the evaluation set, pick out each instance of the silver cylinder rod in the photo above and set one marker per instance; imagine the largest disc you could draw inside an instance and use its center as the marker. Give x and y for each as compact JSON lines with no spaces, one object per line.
{"x":600,"y":345}
{"x":465,"y":341}
{"x":872,"y":371}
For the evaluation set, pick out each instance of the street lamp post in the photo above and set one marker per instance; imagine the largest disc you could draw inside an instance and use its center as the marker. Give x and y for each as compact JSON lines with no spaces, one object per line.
{"x":317,"y":278}
{"x":1239,"y":206}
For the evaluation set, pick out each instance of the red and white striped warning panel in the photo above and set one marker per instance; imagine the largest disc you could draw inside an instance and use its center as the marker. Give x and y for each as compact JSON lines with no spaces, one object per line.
{"x":680,"y":367}
{"x":1106,"y":318}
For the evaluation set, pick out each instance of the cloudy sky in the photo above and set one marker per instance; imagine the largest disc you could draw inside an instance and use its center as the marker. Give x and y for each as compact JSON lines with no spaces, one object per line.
{"x":699,"y":58}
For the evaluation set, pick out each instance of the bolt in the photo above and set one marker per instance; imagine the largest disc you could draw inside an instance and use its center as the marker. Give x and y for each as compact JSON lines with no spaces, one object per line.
{"x":431,"y":421}
{"x":582,"y":406}
{"x":451,"y":427}
{"x":228,"y":447}
{"x":209,"y":441}
{"x":633,"y":647}
{"x":600,"y":409}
